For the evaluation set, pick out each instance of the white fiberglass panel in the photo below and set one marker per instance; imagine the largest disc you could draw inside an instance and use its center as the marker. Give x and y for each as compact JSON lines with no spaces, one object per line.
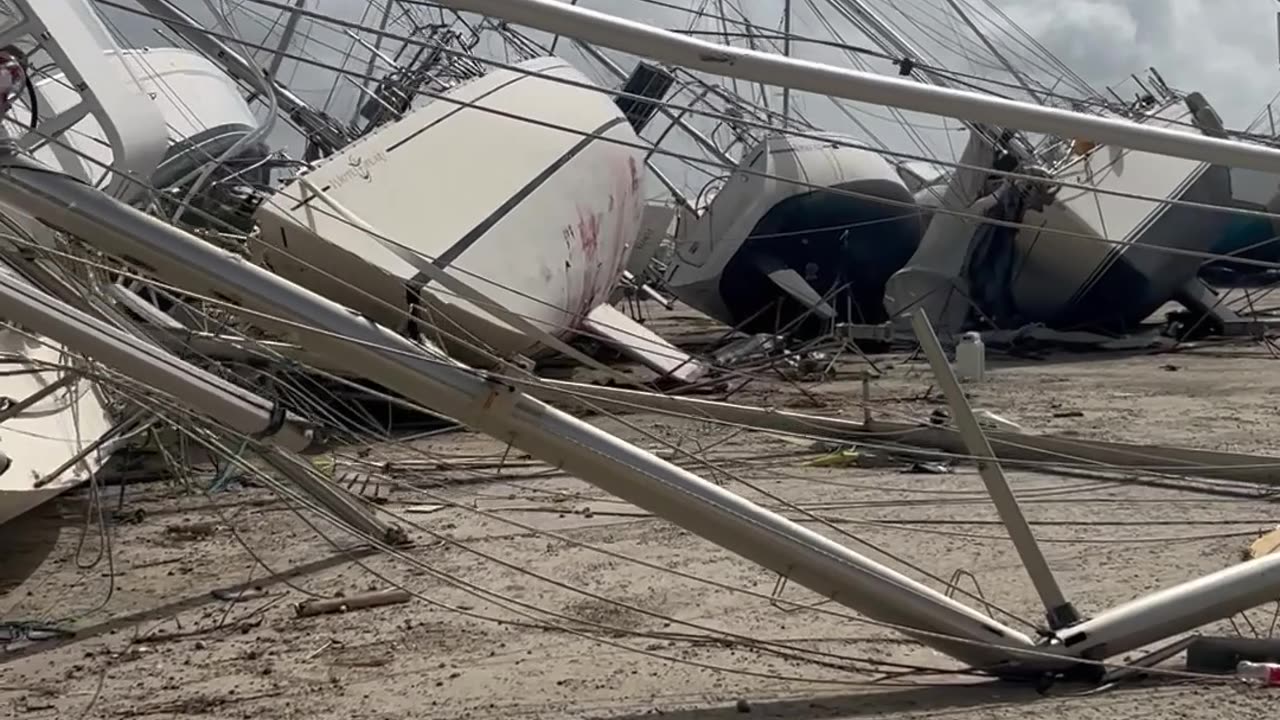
{"x":191,"y":94}
{"x":525,"y":188}
{"x":42,"y":438}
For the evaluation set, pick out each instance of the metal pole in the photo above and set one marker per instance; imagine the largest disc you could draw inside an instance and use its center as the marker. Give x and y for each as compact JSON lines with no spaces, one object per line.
{"x":996,"y":51}
{"x":888,"y":39}
{"x":106,"y":438}
{"x":373,"y":55}
{"x":658,"y":44}
{"x":423,"y":373}
{"x":1011,"y":447}
{"x":244,"y":70}
{"x":286,"y":38}
{"x":208,"y":394}
{"x":1174,"y":610}
{"x":337,"y":501}
{"x":1059,"y":612}
{"x":786,"y":50}
{"x":147,"y":364}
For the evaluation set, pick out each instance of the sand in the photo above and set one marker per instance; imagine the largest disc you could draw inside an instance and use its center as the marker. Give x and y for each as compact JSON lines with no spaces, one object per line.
{"x":539,"y":596}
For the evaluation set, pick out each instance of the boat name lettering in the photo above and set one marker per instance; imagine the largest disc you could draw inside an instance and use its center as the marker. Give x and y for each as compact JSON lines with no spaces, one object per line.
{"x":359,"y":168}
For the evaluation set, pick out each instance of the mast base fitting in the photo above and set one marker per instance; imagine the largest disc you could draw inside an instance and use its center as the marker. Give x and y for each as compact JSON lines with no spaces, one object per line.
{"x":1064,"y":615}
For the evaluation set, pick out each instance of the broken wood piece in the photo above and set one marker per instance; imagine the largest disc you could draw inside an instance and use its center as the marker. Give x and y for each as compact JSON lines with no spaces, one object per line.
{"x":238,"y":595}
{"x":193,"y":530}
{"x":423,"y":509}
{"x":1265,"y":545}
{"x":310,"y":608}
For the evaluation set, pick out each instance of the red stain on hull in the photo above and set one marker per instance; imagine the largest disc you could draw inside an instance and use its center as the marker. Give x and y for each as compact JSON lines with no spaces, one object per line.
{"x":593,"y":276}
{"x":589,"y":233}
{"x":635,"y":175}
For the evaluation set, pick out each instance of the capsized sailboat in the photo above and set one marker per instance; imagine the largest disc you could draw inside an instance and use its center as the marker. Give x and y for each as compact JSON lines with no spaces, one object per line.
{"x":803,"y":234}
{"x":496,"y":218}
{"x":1098,"y":239}
{"x":484,"y":184}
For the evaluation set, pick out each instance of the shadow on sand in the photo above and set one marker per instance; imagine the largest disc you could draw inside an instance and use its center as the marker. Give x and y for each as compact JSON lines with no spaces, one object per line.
{"x":935,"y":701}
{"x":28,"y":540}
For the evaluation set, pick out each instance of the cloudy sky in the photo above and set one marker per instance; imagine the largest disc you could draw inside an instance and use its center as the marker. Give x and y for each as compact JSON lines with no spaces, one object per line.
{"x":1226,"y":49}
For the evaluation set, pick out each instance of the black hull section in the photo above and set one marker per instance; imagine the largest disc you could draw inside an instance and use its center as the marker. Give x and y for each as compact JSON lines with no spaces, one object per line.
{"x":832,"y":240}
{"x":1136,"y":280}
{"x":1120,"y":299}
{"x":220,"y":202}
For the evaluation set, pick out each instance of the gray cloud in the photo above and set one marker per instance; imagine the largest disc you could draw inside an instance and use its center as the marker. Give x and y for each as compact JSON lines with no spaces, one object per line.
{"x":1223,"y":48}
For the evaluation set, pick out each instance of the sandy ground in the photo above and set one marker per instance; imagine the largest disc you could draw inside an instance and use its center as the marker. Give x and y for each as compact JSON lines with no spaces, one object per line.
{"x":539,"y":596}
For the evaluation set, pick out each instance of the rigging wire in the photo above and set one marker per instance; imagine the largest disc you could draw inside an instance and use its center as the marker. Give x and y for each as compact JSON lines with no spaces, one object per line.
{"x":451,"y":579}
{"x":1262,"y":214}
{"x":867,"y":439}
{"x":1175,"y":468}
{"x":593,"y":638}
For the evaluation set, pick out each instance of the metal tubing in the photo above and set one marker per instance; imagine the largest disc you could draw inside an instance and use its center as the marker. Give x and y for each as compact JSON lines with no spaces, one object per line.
{"x":786,"y":50}
{"x":207,"y":393}
{"x":1010,"y":447}
{"x":658,"y":44}
{"x":286,"y":39}
{"x":18,"y":407}
{"x":425,"y":374}
{"x":1059,"y":612}
{"x":1174,"y":610}
{"x":96,"y":446}
{"x":23,"y":303}
{"x":339,"y":502}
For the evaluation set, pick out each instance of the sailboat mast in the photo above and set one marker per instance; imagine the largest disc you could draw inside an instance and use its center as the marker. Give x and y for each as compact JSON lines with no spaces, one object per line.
{"x":286,"y":39}
{"x":665,"y":46}
{"x":373,"y":54}
{"x":888,"y":39}
{"x":327,"y":135}
{"x":786,"y":50}
{"x":995,"y":52}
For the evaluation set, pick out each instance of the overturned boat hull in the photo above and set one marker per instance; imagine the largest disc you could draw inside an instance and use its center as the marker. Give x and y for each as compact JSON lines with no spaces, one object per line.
{"x":1102,"y":254}
{"x":525,"y":188}
{"x":1106,"y":261}
{"x":1253,"y":238}
{"x":202,"y":109}
{"x":805,"y":233}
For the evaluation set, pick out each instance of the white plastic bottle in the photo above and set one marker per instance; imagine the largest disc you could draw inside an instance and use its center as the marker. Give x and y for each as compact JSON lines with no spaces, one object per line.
{"x":971,"y":360}
{"x":1265,"y":674}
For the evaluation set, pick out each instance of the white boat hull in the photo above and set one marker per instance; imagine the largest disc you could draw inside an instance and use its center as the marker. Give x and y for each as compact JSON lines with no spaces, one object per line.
{"x":538,"y":219}
{"x":202,"y":108}
{"x":42,"y":438}
{"x":1097,"y":256}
